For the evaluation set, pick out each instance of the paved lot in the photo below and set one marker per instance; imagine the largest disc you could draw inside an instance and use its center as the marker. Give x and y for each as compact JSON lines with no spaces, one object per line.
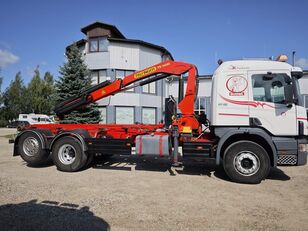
{"x":132,"y":194}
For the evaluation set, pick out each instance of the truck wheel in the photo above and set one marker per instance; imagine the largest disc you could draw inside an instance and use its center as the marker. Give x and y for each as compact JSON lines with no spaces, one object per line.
{"x":89,"y":161}
{"x":246,"y":162}
{"x":67,"y":154}
{"x":30,"y":149}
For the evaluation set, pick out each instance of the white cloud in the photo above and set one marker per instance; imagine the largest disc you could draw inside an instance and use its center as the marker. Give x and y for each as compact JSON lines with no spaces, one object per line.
{"x":7,"y":58}
{"x":302,"y":62}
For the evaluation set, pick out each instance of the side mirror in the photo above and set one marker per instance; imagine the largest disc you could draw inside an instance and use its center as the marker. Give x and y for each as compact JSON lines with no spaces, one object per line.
{"x":297,"y":74}
{"x":287,"y":79}
{"x":288,"y":93}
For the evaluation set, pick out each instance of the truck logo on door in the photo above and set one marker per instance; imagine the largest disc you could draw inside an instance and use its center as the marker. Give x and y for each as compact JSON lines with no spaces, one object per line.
{"x":236,"y":85}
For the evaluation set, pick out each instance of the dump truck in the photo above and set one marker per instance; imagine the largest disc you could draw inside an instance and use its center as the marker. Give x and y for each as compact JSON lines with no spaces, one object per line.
{"x":257,"y":121}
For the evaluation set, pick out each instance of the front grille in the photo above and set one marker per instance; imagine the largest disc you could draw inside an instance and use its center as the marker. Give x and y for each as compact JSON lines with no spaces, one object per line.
{"x":287,"y":159}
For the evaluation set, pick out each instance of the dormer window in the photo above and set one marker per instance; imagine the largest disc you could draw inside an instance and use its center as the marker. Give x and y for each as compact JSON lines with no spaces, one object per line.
{"x":98,"y":44}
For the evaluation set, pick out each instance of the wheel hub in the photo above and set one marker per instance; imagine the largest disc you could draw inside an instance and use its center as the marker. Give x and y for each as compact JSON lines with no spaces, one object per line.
{"x":67,"y":154}
{"x":246,"y":163}
{"x":31,"y":146}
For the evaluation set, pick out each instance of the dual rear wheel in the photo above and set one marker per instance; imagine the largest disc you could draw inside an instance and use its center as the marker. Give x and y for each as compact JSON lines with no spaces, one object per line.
{"x":31,"y":149}
{"x":67,"y":152}
{"x":68,"y":155}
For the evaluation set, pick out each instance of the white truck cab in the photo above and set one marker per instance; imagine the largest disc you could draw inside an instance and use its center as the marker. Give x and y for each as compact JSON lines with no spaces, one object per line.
{"x":261,"y":98}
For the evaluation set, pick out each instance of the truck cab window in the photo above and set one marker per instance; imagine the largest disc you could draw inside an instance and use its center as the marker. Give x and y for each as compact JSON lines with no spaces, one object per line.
{"x":269,"y":90}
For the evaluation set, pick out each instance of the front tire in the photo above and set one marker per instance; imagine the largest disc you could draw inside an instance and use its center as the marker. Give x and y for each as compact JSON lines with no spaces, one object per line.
{"x":246,"y":162}
{"x":68,"y":155}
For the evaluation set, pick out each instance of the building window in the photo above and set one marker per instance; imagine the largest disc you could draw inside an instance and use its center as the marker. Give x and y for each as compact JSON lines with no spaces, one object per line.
{"x":148,"y":115}
{"x":269,"y":90}
{"x":103,"y":115}
{"x":120,"y":74}
{"x":98,"y":44}
{"x":149,"y":88}
{"x":200,"y":105}
{"x":125,"y":115}
{"x":98,"y":76}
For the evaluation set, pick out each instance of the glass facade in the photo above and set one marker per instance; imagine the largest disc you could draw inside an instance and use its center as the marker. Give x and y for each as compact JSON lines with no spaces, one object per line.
{"x":98,"y":76}
{"x":98,"y":44}
{"x":200,"y":105}
{"x":148,"y":115}
{"x":120,"y":74}
{"x":149,"y":88}
{"x":125,"y":115}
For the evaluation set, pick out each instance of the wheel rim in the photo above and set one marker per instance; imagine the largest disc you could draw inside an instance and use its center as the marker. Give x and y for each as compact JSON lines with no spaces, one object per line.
{"x":31,"y":146}
{"x":246,"y":163}
{"x":67,"y":154}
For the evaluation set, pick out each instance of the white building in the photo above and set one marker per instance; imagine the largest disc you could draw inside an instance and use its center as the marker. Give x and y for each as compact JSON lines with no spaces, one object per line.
{"x":109,"y":55}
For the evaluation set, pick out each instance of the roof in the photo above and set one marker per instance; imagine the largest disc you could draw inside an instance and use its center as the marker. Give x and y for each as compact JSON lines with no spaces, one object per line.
{"x":96,"y":24}
{"x":249,"y":65}
{"x":120,"y":38}
{"x":81,"y":42}
{"x":135,"y":41}
{"x":205,"y":76}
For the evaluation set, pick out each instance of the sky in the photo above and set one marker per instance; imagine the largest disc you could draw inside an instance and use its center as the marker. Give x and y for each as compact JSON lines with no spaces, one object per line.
{"x":34,"y":33}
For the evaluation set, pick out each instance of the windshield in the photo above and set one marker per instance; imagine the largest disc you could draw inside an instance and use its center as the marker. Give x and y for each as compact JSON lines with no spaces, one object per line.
{"x":297,"y":92}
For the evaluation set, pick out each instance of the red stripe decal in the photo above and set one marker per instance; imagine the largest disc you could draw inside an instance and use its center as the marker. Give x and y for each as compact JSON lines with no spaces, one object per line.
{"x":301,"y":118}
{"x":161,"y":146}
{"x":249,"y":103}
{"x":227,"y":114}
{"x":140,"y":145}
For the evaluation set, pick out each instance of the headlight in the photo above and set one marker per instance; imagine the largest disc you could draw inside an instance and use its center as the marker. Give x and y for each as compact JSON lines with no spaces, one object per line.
{"x":302,"y":147}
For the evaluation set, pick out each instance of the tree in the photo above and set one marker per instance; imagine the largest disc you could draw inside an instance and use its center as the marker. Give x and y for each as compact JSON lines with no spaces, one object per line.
{"x":74,"y":79}
{"x":1,"y":96}
{"x":14,"y":98}
{"x":1,"y":93}
{"x":49,"y":92}
{"x":39,"y":94}
{"x":2,"y":120}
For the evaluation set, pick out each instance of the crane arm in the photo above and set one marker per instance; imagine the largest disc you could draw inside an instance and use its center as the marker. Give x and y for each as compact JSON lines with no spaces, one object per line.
{"x":148,"y":75}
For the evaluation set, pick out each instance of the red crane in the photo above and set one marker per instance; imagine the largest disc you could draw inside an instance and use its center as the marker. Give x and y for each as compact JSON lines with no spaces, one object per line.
{"x":186,"y":123}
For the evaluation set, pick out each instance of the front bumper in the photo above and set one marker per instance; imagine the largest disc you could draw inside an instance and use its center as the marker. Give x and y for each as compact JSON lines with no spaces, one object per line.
{"x":295,"y":155}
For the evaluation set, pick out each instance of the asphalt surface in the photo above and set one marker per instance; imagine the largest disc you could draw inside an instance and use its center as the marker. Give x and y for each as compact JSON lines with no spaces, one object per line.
{"x":133,"y":194}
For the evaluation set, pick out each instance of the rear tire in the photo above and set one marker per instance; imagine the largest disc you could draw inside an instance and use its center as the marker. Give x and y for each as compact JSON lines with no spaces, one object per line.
{"x":246,"y":162}
{"x":31,"y":150}
{"x":68,"y":155}
{"x":89,"y":161}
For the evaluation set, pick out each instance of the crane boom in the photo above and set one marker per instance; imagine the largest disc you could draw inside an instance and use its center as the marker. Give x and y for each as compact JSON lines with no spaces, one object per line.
{"x":148,"y":75}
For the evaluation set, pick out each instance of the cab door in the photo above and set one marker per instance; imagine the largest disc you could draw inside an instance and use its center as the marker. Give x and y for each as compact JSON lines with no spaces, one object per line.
{"x":267,"y":102}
